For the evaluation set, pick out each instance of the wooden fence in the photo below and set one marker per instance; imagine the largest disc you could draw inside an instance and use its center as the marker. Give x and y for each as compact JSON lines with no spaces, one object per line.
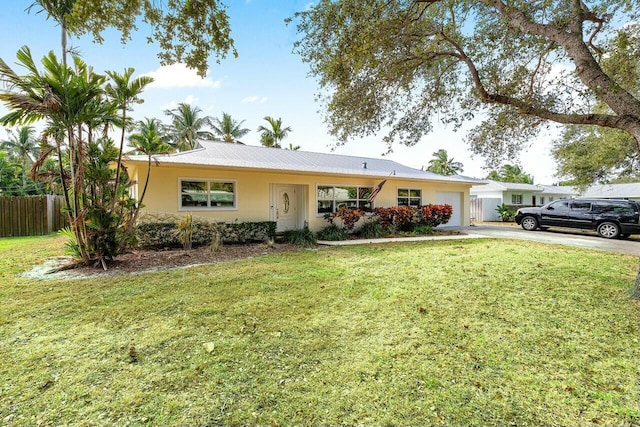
{"x":31,"y":215}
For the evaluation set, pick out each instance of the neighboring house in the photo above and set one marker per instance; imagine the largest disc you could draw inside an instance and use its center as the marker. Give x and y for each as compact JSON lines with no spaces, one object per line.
{"x":629,"y":191}
{"x":495,"y":193}
{"x":231,"y":182}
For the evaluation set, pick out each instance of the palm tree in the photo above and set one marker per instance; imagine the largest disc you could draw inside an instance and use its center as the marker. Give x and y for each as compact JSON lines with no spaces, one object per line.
{"x":273,"y":136}
{"x":23,"y":146}
{"x":443,"y":165}
{"x":510,"y":173}
{"x":227,"y":129}
{"x":187,"y":126}
{"x":71,"y":99}
{"x":149,"y":140}
{"x":59,"y":11}
{"x":123,"y":91}
{"x":293,"y":147}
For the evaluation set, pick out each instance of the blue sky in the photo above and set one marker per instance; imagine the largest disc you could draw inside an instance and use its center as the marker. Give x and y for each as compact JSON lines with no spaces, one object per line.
{"x":267,"y":79}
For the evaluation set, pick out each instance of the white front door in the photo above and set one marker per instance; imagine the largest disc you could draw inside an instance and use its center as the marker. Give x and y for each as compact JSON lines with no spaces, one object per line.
{"x":286,"y":206}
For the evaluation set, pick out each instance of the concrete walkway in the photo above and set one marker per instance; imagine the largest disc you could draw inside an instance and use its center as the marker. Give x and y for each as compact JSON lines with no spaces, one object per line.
{"x":574,"y":238}
{"x":401,"y":239}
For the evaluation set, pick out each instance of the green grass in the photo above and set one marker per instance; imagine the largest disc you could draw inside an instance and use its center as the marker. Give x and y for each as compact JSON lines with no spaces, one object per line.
{"x":476,"y":332}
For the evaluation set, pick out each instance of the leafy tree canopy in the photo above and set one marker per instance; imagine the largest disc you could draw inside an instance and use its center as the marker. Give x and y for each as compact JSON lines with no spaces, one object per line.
{"x":516,"y":64}
{"x":589,"y":155}
{"x":510,"y":173}
{"x":187,"y":31}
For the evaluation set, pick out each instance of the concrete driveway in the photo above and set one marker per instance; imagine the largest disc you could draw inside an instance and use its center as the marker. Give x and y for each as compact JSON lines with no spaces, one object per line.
{"x":579,"y":238}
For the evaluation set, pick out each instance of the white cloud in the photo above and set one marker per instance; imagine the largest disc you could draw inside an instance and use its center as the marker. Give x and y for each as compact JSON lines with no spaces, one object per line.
{"x":254,"y":100}
{"x":178,"y":75}
{"x":190,"y":99}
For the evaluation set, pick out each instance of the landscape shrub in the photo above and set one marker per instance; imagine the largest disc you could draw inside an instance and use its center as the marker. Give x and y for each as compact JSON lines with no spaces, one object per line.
{"x":304,"y":237}
{"x":246,"y":232}
{"x":333,"y":232}
{"x":371,"y":229}
{"x":185,"y":231}
{"x":348,"y":216}
{"x":434,"y":215}
{"x":396,"y":217}
{"x":506,"y":213}
{"x":423,"y":230}
{"x":161,"y":231}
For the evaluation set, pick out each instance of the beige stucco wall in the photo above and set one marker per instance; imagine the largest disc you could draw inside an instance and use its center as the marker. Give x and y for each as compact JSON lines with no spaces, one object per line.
{"x":253,"y":191}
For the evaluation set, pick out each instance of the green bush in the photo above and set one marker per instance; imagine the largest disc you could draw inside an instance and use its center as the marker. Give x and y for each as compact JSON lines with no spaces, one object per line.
{"x":505,"y":212}
{"x":246,"y":232}
{"x":371,"y":229}
{"x":423,"y":230}
{"x":333,"y":232}
{"x":304,"y":237}
{"x":160,"y":231}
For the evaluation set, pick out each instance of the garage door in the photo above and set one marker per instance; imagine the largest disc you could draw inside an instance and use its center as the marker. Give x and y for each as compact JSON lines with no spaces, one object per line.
{"x":454,"y":199}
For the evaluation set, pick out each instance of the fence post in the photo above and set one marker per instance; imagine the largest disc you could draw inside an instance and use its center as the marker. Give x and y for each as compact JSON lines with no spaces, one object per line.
{"x":50,"y":206}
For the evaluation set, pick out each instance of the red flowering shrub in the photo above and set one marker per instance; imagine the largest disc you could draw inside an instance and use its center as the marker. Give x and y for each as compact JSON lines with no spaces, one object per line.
{"x":348,"y":216}
{"x":399,"y":217}
{"x":434,"y":215}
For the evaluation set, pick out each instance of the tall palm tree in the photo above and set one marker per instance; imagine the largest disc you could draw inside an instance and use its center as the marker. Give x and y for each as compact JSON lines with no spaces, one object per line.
{"x":273,"y":135}
{"x":443,"y":165}
{"x":71,"y":99}
{"x":149,"y":140}
{"x":187,"y":126}
{"x":124,"y":91}
{"x":59,"y":11}
{"x":227,"y":129}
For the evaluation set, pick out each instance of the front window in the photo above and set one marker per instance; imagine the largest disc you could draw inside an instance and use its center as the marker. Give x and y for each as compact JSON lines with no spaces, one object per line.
{"x":560,"y":205}
{"x":409,"y":197}
{"x":516,"y":199}
{"x":333,"y":197}
{"x":207,"y":194}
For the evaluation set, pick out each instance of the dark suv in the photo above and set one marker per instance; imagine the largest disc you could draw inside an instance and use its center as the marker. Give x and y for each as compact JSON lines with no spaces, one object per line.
{"x":610,"y":218}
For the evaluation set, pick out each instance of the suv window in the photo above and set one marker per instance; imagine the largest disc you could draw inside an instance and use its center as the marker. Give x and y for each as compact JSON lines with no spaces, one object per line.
{"x":560,"y":205}
{"x":581,"y":206}
{"x":624,"y":208}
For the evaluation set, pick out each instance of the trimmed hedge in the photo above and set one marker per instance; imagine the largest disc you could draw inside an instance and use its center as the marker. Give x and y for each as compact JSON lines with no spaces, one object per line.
{"x":159,"y":232}
{"x":247,"y":232}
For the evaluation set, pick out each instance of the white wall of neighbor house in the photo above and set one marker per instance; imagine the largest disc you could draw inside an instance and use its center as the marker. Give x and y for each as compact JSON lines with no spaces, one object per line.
{"x":487,"y":194}
{"x":253,"y":198}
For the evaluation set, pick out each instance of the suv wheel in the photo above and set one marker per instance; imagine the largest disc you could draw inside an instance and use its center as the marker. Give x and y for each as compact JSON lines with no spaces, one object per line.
{"x":529,"y":223}
{"x":609,"y":230}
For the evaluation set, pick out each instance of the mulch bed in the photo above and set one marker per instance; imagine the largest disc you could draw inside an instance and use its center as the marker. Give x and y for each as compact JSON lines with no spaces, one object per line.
{"x":141,"y":260}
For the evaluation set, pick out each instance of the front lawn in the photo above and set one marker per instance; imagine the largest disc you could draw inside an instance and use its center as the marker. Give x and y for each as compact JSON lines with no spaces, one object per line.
{"x":469,"y":332}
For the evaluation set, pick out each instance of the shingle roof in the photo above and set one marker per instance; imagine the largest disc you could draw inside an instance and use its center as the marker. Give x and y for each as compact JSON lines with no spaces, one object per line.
{"x":614,"y":191}
{"x":253,"y":157}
